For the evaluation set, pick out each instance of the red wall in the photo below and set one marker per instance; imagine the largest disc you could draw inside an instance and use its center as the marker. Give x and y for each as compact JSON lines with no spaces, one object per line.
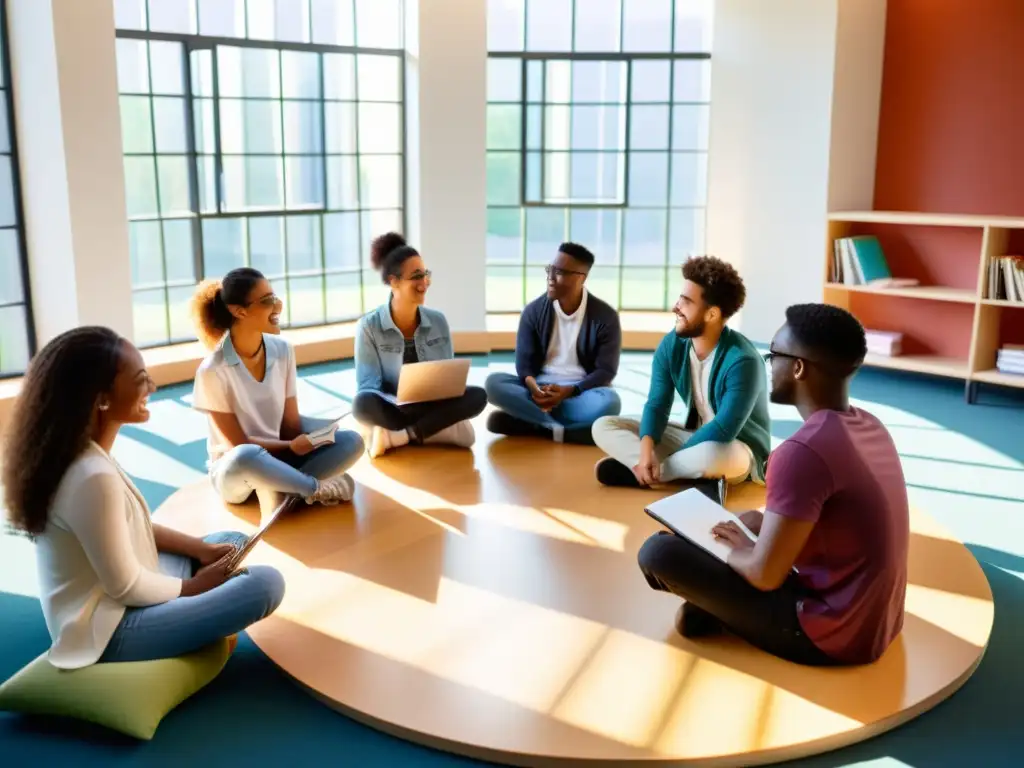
{"x":951,"y":128}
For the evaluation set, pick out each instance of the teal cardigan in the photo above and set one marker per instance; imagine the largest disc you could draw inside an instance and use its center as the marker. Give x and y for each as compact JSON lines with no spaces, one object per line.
{"x":738,"y":395}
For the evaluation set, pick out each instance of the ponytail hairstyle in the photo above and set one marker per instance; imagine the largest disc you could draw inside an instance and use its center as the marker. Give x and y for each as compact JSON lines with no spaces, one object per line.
{"x":212,"y":299}
{"x":387,"y":254}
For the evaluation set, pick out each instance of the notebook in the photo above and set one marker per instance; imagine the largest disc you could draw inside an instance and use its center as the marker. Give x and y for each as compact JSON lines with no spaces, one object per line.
{"x":692,"y":515}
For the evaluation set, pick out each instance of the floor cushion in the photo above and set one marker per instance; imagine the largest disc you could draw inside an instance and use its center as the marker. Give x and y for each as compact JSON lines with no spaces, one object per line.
{"x":130,"y":697}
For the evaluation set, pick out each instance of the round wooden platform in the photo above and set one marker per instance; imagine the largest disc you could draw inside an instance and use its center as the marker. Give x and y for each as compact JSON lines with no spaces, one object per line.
{"x":488,"y":603}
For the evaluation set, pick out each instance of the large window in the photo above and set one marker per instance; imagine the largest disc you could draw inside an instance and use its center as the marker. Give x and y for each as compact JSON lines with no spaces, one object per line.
{"x":266,"y":133}
{"x":17,"y":338}
{"x":597,"y":131}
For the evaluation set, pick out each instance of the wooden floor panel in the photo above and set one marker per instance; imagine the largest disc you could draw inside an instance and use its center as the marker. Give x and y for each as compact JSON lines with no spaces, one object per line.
{"x":489,"y":603}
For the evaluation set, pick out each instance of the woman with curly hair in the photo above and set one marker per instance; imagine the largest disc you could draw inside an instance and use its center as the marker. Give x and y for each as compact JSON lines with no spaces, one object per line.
{"x":247,"y":387}
{"x":114,"y":586}
{"x":399,"y":332}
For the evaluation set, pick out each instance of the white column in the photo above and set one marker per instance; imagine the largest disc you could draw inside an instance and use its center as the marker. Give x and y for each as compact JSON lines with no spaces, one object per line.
{"x":64,"y":78}
{"x":795,"y":91}
{"x":446,"y":142}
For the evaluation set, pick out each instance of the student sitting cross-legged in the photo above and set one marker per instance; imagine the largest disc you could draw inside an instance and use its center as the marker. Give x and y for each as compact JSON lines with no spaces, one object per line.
{"x":114,"y":585}
{"x":567,"y":354}
{"x":721,"y":379}
{"x":836,"y":511}
{"x":247,"y":387}
{"x":397,"y":333}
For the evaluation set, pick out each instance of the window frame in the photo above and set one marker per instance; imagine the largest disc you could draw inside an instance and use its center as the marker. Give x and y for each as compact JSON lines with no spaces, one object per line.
{"x":19,"y":210}
{"x":192,"y":42}
{"x":627,"y":104}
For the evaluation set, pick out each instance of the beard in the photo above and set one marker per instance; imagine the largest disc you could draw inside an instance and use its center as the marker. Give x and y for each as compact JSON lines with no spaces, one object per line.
{"x":781,"y":394}
{"x":691,"y":331}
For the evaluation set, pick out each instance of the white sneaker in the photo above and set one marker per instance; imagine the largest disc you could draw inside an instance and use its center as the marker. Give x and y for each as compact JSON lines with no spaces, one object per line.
{"x":332,"y":491}
{"x":461,"y":434}
{"x":381,"y":441}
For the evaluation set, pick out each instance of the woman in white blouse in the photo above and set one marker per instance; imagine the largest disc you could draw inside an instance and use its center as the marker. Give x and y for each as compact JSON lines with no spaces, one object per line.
{"x":247,"y":386}
{"x":114,"y":586}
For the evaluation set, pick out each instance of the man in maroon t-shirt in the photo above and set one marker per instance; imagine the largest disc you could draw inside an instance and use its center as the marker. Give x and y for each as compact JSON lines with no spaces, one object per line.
{"x":836,"y":512}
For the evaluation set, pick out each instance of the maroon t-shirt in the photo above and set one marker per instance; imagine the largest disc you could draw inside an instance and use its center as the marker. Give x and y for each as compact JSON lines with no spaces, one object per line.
{"x":842,"y":471}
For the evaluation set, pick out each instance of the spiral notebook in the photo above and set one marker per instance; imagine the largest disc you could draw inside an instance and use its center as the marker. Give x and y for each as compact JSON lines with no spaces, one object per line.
{"x":692,"y":515}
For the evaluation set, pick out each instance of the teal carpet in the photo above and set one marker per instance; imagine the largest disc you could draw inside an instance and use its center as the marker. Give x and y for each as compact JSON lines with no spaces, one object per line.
{"x":964,"y":464}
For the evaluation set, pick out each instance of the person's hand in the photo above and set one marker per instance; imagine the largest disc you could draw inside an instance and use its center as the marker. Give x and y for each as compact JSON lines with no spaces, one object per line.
{"x":555,"y":394}
{"x":648,"y":469}
{"x":210,"y":553}
{"x":732,"y":535}
{"x":301,"y":445}
{"x":752,"y":520}
{"x":209,"y":577}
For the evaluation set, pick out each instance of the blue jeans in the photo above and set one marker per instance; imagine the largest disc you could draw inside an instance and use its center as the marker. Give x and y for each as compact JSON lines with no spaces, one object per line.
{"x":247,"y":468}
{"x":507,"y":392}
{"x":186,"y":624}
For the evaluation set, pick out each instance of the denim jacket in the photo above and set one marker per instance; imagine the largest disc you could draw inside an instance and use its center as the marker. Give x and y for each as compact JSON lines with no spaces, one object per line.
{"x":380,"y":346}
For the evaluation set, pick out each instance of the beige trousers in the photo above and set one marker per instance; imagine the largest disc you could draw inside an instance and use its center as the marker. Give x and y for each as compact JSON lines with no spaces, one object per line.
{"x":619,"y":437}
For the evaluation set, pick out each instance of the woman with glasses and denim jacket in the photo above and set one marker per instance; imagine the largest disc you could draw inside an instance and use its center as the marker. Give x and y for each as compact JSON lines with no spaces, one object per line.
{"x":247,"y":388}
{"x":399,"y":332}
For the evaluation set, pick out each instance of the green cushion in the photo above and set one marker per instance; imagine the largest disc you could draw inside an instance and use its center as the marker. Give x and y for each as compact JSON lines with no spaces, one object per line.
{"x":131,"y":697}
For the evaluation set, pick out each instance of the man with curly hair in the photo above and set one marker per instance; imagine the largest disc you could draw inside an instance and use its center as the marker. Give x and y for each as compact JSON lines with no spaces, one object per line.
{"x":721,"y":379}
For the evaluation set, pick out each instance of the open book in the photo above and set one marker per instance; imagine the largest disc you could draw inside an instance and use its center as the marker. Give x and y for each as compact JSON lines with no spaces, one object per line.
{"x":324,"y":435}
{"x":692,"y":515}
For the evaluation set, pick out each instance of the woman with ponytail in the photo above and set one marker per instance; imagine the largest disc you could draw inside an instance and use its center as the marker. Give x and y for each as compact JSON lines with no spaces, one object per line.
{"x":247,"y":387}
{"x":404,"y":331}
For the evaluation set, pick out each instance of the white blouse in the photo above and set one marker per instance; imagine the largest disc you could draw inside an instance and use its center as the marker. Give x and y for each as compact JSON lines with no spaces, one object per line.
{"x":96,"y":557}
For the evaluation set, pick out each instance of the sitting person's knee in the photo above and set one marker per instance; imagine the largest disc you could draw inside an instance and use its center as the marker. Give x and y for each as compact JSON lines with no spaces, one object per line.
{"x":612,"y":402}
{"x":496,"y":384}
{"x":363,"y":401}
{"x":654,"y":551}
{"x":604,"y":425}
{"x":351,"y":441}
{"x":269,"y":584}
{"x":477,"y":397}
{"x":245,"y":456}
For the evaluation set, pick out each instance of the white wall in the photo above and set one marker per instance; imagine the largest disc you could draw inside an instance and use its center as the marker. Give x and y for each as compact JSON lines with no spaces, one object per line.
{"x":446,"y":121}
{"x":64,"y":78}
{"x":794,"y":83}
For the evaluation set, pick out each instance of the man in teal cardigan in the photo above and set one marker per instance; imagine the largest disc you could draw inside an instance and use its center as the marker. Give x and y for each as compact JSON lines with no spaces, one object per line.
{"x":721,"y":379}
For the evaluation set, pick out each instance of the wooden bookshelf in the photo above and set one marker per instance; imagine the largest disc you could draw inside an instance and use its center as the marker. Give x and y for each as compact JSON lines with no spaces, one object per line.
{"x":951,"y":327}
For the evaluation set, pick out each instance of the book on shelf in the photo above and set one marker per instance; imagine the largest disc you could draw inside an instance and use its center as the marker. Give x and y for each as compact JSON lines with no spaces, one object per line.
{"x":859,"y":260}
{"x":1010,"y":359}
{"x":885,"y":343}
{"x":1006,"y":278}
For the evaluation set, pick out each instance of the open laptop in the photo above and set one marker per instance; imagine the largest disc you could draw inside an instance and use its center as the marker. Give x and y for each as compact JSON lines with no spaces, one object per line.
{"x":431,"y":380}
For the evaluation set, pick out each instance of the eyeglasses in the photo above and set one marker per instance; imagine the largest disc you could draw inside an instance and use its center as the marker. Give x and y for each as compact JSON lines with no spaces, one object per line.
{"x":416,"y":277}
{"x":558,"y":272}
{"x":270,"y":300}
{"x":771,"y":354}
